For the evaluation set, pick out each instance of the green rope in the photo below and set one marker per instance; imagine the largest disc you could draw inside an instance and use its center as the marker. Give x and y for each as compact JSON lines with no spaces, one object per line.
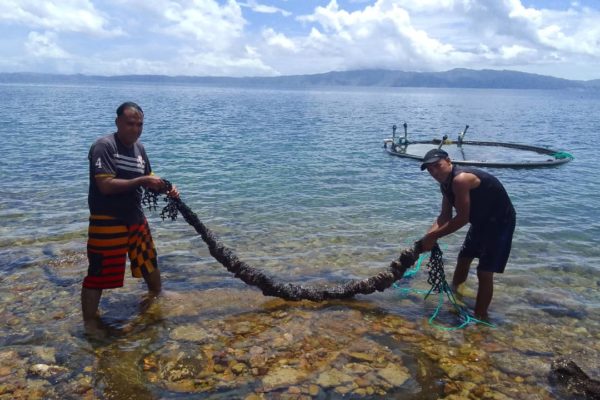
{"x":413,"y":271}
{"x":464,"y":315}
{"x":559,"y":155}
{"x":437,"y":280}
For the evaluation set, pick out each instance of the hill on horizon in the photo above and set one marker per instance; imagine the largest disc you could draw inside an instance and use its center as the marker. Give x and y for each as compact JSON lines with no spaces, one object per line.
{"x":455,"y":78}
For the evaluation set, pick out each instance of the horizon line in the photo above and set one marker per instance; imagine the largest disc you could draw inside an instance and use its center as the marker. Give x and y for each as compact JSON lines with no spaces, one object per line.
{"x":289,"y":76}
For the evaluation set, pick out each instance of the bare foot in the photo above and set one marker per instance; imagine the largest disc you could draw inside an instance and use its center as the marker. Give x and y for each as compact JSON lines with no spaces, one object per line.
{"x":95,"y":329}
{"x":483,"y":318}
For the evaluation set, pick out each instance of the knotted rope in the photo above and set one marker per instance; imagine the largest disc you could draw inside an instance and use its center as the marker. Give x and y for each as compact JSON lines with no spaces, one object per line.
{"x":437,"y":279}
{"x":269,"y":287}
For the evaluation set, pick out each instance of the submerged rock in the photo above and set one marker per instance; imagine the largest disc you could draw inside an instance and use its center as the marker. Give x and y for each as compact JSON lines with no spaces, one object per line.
{"x":333,"y":377}
{"x":281,"y":377}
{"x":47,"y":371}
{"x":394,"y":374}
{"x":191,"y":333}
{"x":570,"y":376}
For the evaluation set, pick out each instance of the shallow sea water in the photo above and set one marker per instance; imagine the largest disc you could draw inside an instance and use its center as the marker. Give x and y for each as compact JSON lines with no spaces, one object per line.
{"x":298,"y":185}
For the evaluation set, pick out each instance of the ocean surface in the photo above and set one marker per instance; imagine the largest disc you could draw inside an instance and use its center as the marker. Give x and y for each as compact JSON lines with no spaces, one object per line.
{"x":298,"y":185}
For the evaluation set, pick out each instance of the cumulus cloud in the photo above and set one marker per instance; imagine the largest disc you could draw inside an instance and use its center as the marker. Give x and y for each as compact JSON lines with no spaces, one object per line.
{"x":43,"y":45}
{"x":187,"y":62}
{"x":254,"y":37}
{"x":442,"y":34}
{"x":574,"y":31}
{"x":515,"y":51}
{"x":381,"y":35}
{"x":62,"y":16}
{"x":279,"y":40}
{"x":265,"y":9}
{"x":211,"y":38}
{"x":206,"y":22}
{"x":219,"y":64}
{"x":183,"y":37}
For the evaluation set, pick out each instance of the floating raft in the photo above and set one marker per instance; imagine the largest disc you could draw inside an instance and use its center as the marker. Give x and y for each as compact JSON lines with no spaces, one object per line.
{"x":477,"y":153}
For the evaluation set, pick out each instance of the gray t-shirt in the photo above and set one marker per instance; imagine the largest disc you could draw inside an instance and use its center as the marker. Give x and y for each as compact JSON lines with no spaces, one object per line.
{"x":109,"y":157}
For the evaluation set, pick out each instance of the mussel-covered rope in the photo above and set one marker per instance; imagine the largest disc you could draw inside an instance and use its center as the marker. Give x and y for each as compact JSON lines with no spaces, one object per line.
{"x":269,"y":287}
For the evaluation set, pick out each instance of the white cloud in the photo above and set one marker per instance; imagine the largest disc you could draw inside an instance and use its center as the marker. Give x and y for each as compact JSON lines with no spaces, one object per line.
{"x":443,"y":34}
{"x":572,"y":32}
{"x":265,"y":9}
{"x":255,"y":37}
{"x":204,"y":22}
{"x":380,"y":35}
{"x":63,"y":16}
{"x":515,"y":51}
{"x":430,"y":6}
{"x":278,"y":39}
{"x":44,"y":46}
{"x":502,"y":23}
{"x":217,"y":64}
{"x":187,"y":61}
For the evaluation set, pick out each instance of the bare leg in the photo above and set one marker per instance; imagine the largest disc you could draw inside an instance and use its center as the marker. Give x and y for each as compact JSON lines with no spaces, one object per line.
{"x":90,"y":298}
{"x":463,"y":264}
{"x":154,"y":283}
{"x":154,"y":288}
{"x":484,"y":294}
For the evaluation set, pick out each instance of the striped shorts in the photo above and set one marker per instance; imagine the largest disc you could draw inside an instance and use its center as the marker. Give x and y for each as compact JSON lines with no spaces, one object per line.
{"x":109,"y":242}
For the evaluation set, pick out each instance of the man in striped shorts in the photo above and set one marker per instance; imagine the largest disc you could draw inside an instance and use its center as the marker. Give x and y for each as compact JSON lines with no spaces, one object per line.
{"x":119,"y":169}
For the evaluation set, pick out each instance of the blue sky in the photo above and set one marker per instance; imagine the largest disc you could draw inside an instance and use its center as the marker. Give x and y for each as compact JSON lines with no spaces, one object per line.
{"x":286,"y":37}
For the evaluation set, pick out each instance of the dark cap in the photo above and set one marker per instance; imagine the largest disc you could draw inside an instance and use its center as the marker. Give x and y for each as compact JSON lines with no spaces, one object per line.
{"x":432,"y":156}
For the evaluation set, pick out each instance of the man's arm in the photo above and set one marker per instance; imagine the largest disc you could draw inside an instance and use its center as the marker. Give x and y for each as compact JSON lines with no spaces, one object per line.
{"x":110,"y":185}
{"x":461,"y":187}
{"x":444,"y":216}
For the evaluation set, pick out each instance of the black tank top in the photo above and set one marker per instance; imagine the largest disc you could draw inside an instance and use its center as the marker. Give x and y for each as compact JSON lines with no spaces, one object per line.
{"x":489,"y":201}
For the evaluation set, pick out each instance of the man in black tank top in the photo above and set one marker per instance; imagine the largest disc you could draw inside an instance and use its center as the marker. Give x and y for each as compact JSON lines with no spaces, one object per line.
{"x":479,"y":199}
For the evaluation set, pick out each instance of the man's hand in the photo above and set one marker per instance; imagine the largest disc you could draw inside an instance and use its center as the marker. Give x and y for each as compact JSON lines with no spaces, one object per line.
{"x":427,"y":242}
{"x":174,"y":193}
{"x":153,"y":182}
{"x":157,"y":184}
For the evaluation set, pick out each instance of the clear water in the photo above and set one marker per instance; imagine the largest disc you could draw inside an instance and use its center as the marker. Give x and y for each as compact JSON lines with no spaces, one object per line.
{"x":297,"y":184}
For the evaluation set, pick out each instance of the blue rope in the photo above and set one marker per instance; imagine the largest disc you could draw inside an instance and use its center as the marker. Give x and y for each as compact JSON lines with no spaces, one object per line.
{"x":442,"y":288}
{"x":464,"y":315}
{"x":561,"y":155}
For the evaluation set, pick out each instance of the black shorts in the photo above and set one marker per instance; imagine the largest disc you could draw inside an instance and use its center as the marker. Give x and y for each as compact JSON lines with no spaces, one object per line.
{"x":490,"y":243}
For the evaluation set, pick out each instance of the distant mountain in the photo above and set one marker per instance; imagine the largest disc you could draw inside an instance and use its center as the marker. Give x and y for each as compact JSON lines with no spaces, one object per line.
{"x":455,"y":78}
{"x":594,"y":83}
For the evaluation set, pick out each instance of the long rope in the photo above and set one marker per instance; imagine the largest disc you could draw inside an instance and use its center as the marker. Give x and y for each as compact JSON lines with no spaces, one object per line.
{"x":269,"y":287}
{"x":397,"y":269}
